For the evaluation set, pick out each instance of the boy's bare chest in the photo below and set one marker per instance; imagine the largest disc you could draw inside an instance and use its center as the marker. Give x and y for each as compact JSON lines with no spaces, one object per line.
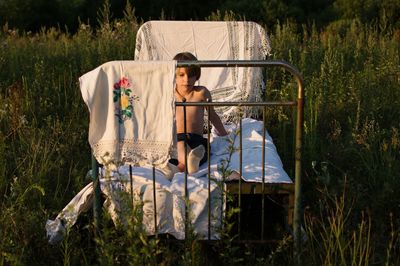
{"x":191,"y":112}
{"x":194,"y":119}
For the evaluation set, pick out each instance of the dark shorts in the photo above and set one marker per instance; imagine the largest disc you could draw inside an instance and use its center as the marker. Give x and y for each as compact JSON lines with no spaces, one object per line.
{"x":193,"y":140}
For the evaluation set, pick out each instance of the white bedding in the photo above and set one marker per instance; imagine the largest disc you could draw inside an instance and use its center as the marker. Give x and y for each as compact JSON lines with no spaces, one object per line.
{"x":252,"y":141}
{"x":170,"y":194}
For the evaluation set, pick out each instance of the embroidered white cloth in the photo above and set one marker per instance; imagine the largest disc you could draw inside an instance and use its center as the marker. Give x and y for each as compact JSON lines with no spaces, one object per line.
{"x":132,"y":109}
{"x":210,"y":40}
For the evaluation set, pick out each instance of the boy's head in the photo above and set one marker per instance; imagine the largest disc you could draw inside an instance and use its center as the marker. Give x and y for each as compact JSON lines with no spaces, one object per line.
{"x":194,"y":71}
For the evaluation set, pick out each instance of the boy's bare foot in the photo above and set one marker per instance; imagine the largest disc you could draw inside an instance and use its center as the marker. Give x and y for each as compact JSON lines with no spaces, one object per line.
{"x":194,"y":158}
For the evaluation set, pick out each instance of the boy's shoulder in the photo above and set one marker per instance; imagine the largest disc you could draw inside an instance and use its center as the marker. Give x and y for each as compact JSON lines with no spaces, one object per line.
{"x":201,"y":93}
{"x":201,"y":90}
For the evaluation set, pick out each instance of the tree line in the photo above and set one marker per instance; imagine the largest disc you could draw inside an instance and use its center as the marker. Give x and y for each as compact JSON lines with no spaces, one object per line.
{"x":32,"y":15}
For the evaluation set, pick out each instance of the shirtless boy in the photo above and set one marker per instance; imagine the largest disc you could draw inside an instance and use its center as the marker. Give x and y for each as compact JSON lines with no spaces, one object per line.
{"x":185,"y":90}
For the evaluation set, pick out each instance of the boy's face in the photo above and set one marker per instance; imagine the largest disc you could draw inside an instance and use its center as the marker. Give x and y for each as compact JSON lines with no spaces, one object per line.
{"x":183,"y":78}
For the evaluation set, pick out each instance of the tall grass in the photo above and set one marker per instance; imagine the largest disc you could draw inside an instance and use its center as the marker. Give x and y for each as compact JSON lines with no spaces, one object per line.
{"x":351,"y":143}
{"x":351,"y":74}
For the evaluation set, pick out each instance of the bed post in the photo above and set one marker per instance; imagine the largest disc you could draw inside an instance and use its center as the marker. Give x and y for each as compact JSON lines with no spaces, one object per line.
{"x":97,"y":192}
{"x":298,"y":157}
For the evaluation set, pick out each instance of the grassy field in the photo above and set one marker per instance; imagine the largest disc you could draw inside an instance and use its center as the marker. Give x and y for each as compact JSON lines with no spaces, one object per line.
{"x":351,"y":167}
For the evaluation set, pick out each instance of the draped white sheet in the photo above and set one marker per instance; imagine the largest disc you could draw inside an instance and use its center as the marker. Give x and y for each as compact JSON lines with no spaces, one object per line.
{"x":170,"y":203}
{"x":211,"y":40}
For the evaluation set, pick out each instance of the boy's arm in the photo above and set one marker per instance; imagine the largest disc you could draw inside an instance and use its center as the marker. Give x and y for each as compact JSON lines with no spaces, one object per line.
{"x":214,"y":118}
{"x":217,"y":123}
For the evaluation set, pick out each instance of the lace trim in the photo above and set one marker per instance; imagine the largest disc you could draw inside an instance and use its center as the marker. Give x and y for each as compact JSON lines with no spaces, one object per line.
{"x":134,"y":152}
{"x":234,"y":46}
{"x":149,"y":41}
{"x":138,"y":46}
{"x":251,"y":86}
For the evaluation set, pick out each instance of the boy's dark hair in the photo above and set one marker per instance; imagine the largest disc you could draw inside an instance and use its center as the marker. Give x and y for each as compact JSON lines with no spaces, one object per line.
{"x":193,"y":70}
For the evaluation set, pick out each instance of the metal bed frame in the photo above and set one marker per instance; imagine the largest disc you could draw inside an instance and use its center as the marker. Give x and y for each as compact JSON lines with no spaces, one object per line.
{"x":239,"y":188}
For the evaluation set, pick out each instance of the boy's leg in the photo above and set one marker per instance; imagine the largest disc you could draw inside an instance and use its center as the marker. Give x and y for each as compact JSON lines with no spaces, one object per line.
{"x":194,"y":158}
{"x":181,"y":155}
{"x":196,"y":150}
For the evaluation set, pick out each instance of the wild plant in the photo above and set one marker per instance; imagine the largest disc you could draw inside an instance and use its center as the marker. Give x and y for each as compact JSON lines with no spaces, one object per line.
{"x":332,"y":238}
{"x":226,"y":249}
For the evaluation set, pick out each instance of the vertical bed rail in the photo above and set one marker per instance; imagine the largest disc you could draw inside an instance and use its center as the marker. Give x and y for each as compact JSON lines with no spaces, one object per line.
{"x":97,"y":194}
{"x":240,"y":173}
{"x":263,"y":177}
{"x":154,"y":201}
{"x":186,"y":172}
{"x":209,"y":171}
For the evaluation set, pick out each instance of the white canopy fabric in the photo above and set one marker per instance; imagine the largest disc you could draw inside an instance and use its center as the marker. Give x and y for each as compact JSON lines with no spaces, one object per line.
{"x":210,"y":40}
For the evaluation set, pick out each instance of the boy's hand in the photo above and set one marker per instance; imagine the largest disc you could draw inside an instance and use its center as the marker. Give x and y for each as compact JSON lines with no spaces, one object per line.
{"x":216,"y":132}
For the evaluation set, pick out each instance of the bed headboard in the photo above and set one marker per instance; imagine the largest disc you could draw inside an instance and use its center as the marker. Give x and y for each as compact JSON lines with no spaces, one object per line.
{"x":210,"y":40}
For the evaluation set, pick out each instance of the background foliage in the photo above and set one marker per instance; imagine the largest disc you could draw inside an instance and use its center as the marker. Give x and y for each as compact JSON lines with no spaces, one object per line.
{"x":32,"y":15}
{"x":351,"y":69}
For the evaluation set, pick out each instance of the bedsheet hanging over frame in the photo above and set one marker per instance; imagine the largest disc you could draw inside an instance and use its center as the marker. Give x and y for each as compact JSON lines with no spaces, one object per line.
{"x":232,"y":40}
{"x":131,"y":107}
